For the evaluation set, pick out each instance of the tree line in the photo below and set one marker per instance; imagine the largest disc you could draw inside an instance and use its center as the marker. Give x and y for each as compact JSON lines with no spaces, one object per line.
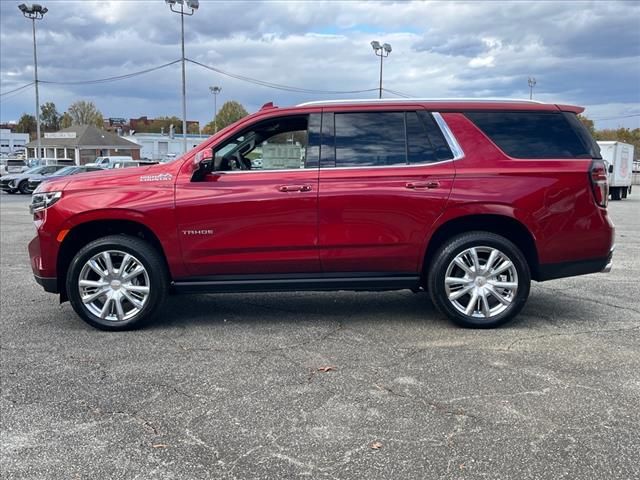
{"x":85,"y":112}
{"x":626,"y":135}
{"x":81,"y":112}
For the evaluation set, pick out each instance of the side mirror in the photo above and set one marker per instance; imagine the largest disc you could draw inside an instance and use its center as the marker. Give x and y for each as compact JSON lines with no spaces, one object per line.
{"x":610,"y":168}
{"x":202,"y":165}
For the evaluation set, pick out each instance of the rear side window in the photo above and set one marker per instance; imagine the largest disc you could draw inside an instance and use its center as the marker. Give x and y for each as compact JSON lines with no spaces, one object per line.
{"x":533,"y":134}
{"x":379,"y":139}
{"x":371,"y":139}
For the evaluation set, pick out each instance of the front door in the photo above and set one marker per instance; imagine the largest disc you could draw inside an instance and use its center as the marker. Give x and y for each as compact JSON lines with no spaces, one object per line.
{"x":257,"y":212}
{"x":385,"y":178}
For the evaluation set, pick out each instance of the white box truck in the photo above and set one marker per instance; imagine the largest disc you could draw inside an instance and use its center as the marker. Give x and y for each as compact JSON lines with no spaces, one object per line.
{"x":619,"y":158}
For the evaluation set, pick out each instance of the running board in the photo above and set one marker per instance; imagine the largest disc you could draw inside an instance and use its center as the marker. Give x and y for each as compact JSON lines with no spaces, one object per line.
{"x":293,"y":283}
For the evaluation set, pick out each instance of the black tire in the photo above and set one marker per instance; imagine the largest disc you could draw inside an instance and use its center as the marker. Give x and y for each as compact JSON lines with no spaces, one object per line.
{"x":23,"y":187}
{"x":615,"y":193}
{"x":150,"y":259}
{"x":624,"y":192}
{"x":445,"y":256}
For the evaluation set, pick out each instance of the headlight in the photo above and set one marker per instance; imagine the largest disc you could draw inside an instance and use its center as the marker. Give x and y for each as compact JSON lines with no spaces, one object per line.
{"x":41,"y":201}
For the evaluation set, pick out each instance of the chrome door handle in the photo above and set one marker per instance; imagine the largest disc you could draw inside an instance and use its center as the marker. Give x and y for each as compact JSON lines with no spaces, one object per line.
{"x":415,"y":185}
{"x":294,"y":188}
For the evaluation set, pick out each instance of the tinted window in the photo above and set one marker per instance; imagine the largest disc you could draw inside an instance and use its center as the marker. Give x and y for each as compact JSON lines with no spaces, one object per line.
{"x":531,"y":134}
{"x":314,"y":138}
{"x":370,"y":139}
{"x":327,"y":147}
{"x":440,"y":145}
{"x":419,"y":148}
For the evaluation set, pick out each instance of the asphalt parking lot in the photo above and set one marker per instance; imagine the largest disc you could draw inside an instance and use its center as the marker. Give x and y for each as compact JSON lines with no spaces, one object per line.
{"x":234,"y":386}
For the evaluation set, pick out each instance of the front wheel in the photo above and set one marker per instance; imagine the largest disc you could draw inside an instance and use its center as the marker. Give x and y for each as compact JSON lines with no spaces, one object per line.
{"x":479,"y":280}
{"x":24,"y":187}
{"x":117,"y":282}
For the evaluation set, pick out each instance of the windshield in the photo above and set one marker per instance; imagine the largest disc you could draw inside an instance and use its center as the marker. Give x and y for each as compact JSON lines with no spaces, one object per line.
{"x":34,"y":170}
{"x":65,"y":171}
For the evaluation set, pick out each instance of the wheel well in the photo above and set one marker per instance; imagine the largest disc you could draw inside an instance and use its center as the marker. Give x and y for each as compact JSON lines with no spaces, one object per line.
{"x":84,"y":233}
{"x":500,"y":225}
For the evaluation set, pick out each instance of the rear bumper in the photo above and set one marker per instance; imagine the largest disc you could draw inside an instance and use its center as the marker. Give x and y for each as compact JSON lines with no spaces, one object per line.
{"x":609,"y":265}
{"x":552,"y":271}
{"x":50,"y":284}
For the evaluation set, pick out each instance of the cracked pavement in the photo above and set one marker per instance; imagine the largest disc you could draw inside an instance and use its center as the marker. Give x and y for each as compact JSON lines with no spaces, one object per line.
{"x":231,"y":386}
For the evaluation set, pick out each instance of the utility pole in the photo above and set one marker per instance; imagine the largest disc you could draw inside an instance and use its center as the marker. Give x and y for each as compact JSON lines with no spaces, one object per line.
{"x":35,"y":12}
{"x":532,"y":83}
{"x":381,"y":51}
{"x":193,"y":6}
{"x":215,"y":90}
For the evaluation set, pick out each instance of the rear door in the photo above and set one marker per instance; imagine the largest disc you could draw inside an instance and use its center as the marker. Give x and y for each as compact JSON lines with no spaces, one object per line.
{"x":385,"y":177}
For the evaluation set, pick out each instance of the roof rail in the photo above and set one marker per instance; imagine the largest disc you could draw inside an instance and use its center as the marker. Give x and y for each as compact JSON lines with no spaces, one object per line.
{"x":413,"y":100}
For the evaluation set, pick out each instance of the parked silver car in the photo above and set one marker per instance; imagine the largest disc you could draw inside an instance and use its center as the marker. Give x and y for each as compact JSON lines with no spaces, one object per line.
{"x":19,"y":182}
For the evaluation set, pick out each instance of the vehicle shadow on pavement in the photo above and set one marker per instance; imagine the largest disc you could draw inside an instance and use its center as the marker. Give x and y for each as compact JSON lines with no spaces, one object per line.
{"x":543,"y":310}
{"x":376,"y":307}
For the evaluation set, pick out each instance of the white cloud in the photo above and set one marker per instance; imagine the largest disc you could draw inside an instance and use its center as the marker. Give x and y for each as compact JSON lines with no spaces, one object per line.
{"x":580,"y":52}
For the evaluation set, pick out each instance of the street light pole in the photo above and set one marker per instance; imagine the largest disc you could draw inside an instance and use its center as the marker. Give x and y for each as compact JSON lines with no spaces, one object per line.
{"x":532,"y":83}
{"x":35,"y":12}
{"x":381,"y":51}
{"x":193,"y":6}
{"x":215,"y":90}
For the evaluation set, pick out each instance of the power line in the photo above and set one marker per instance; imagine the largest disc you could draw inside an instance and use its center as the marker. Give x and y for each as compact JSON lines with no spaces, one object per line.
{"x":399,"y":94}
{"x":616,"y":118}
{"x":278,"y":86}
{"x":17,"y":89}
{"x":112,"y":79}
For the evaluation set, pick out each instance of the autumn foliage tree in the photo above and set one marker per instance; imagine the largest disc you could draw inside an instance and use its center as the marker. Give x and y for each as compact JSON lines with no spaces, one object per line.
{"x":229,"y":113}
{"x":84,"y":112}
{"x":27,"y":124}
{"x":626,"y":135}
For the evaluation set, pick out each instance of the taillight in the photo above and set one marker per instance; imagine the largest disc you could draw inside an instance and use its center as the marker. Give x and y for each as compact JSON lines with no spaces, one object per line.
{"x":599,"y":182}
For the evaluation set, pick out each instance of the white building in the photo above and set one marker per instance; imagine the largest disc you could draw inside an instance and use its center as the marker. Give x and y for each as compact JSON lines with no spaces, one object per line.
{"x":157,"y":146}
{"x":12,"y":142}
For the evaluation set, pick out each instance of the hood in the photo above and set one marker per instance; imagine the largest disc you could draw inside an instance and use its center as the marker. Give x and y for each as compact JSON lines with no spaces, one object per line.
{"x":115,"y":178}
{"x":12,"y":176}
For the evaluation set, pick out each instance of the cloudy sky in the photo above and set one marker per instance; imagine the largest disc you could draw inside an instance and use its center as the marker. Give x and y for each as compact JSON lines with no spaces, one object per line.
{"x":585,"y":53}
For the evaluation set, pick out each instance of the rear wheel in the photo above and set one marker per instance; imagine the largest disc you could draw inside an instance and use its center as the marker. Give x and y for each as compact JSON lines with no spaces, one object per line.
{"x":117,"y":282}
{"x":624,"y":192}
{"x":479,"y":280}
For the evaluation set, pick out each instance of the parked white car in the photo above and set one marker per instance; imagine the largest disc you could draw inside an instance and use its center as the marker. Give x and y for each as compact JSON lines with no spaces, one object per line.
{"x":111,"y":161}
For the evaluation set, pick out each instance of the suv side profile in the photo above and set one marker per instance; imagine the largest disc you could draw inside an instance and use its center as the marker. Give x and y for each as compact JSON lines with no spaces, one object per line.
{"x":469,"y":200}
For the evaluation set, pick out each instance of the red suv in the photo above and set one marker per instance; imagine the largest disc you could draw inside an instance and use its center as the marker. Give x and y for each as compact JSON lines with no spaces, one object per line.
{"x":469,"y":200}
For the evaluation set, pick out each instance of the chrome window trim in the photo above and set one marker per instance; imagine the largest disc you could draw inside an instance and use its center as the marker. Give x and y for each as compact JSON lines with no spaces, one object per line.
{"x":412,"y":165}
{"x":455,"y":147}
{"x":258,"y":170}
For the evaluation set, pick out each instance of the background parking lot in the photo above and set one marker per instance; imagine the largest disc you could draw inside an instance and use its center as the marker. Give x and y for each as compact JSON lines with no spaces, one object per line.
{"x":303,"y":385}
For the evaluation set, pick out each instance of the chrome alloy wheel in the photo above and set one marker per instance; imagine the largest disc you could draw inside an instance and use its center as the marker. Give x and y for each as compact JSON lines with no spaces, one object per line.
{"x":481,"y":282}
{"x":114,"y":285}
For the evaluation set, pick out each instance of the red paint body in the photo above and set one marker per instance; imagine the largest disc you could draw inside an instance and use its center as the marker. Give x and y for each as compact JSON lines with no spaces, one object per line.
{"x":343,"y":220}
